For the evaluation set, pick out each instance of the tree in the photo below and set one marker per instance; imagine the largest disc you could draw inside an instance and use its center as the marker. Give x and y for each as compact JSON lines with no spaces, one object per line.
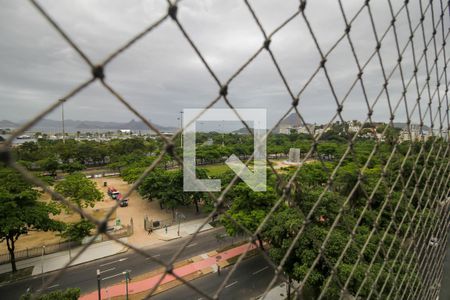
{"x":79,"y":189}
{"x":78,"y":231}
{"x":72,"y":167}
{"x":197,"y":196}
{"x":68,"y":294}
{"x":327,"y":149}
{"x":50,"y":165}
{"x":248,"y":209}
{"x":21,"y":212}
{"x":166,"y":186}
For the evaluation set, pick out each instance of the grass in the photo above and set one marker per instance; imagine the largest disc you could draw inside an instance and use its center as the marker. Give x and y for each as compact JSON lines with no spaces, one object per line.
{"x":215,"y":170}
{"x":21,"y":273}
{"x":219,"y":169}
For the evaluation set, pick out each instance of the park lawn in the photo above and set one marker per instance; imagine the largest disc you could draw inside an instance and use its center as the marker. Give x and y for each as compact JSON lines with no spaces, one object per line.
{"x":212,"y":170}
{"x":219,"y":169}
{"x":215,"y":170}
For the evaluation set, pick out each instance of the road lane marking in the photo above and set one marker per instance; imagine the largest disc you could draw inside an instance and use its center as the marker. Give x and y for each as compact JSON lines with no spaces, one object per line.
{"x":112,"y":276}
{"x":52,"y":286}
{"x":256,"y":272}
{"x":231,"y":284}
{"x":156,"y":255}
{"x":191,"y":245}
{"x":108,"y":270}
{"x":112,"y":262}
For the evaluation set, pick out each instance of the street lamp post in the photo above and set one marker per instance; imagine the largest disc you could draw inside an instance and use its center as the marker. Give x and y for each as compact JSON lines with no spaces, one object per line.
{"x":42,"y":264}
{"x":181,"y":112}
{"x":178,"y":227}
{"x":127,"y":278}
{"x":98,"y":285}
{"x":222,"y":132}
{"x":62,"y":120}
{"x":181,"y":127}
{"x":179,"y":216}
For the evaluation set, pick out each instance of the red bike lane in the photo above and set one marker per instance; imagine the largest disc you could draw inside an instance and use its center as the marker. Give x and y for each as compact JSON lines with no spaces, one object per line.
{"x":149,"y":283}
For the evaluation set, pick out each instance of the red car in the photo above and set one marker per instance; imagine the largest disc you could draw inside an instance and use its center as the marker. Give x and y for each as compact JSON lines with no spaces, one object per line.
{"x":111,"y":190}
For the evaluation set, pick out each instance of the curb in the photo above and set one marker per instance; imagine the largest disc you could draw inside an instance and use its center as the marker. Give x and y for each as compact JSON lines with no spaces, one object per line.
{"x":178,"y":237}
{"x":124,"y":249}
{"x":141,"y":291}
{"x":173,"y":284}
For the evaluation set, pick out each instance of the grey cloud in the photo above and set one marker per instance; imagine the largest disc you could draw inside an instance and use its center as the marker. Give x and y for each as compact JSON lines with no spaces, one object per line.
{"x":161,"y":74}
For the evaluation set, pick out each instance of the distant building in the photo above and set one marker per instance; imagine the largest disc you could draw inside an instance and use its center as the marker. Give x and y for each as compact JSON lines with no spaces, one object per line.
{"x":380,"y":137}
{"x":353,"y":126}
{"x":288,"y":129}
{"x":308,"y":129}
{"x":319,"y":131}
{"x":208,"y":142}
{"x":414,"y":133}
{"x":285,"y":128}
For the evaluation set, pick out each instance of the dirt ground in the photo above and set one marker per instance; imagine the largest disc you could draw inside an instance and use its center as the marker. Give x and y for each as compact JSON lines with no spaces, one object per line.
{"x":278,"y":164}
{"x":137,"y":209}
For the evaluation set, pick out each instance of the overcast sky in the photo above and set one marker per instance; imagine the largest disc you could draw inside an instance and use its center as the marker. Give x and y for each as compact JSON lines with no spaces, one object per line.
{"x":161,"y":74}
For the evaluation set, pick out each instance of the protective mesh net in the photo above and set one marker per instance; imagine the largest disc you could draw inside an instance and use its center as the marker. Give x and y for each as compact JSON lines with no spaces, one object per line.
{"x":394,"y":259}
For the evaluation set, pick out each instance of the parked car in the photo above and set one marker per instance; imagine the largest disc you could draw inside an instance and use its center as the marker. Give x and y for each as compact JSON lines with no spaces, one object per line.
{"x":123,"y":203}
{"x":111,"y":190}
{"x":115,"y":195}
{"x":434,"y":242}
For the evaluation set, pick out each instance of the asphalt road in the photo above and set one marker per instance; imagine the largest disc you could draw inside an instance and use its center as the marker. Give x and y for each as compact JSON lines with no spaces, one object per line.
{"x":84,"y":276}
{"x":249,"y":281}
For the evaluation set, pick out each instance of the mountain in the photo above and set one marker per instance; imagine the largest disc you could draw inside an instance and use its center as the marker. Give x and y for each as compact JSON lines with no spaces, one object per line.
{"x":8,"y":124}
{"x":242,"y":130}
{"x":77,"y":125}
{"x":293,"y":119}
{"x":403,"y":126}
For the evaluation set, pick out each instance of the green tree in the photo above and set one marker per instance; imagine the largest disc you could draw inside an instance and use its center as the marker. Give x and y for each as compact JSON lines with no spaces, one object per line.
{"x":21,"y":212}
{"x":78,"y":231}
{"x":248,"y":209}
{"x":166,"y":186}
{"x":68,"y":294}
{"x":79,"y":189}
{"x":72,"y":167}
{"x":50,"y":165}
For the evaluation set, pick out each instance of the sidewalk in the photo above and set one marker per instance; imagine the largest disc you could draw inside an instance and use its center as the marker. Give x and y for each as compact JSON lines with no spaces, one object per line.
{"x":186,"y":228}
{"x":203,"y":263}
{"x":56,"y":261}
{"x":279,"y":292}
